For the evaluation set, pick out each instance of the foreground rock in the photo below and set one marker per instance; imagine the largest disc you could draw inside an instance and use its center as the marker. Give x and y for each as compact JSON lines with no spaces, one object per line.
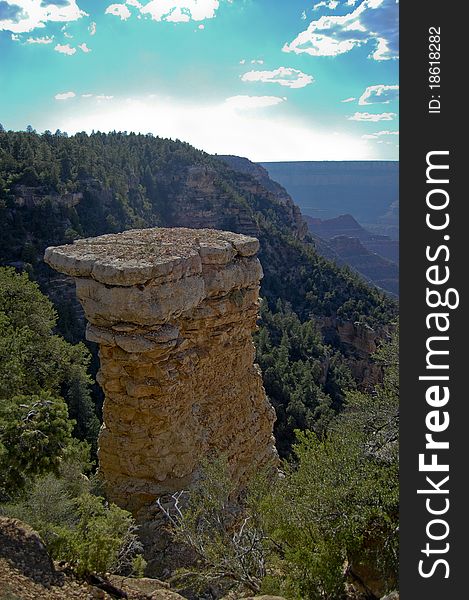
{"x":28,"y":573}
{"x":24,"y":550}
{"x":173,"y":312}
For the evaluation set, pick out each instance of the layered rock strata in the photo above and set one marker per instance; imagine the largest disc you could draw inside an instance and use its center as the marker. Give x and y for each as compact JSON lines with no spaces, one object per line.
{"x":173,"y":312}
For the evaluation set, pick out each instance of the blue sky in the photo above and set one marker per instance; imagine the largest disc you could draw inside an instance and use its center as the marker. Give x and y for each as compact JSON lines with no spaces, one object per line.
{"x":266,"y":79}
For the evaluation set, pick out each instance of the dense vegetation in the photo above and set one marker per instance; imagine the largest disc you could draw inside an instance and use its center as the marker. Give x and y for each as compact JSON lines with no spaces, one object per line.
{"x":46,"y":416}
{"x":304,"y":378}
{"x":44,"y":385}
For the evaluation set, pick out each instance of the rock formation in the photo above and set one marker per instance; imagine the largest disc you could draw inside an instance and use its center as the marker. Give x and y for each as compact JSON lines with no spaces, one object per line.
{"x":173,"y":311}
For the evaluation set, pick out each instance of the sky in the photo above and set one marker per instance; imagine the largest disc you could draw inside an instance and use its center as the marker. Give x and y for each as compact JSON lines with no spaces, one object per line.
{"x":271,"y":80}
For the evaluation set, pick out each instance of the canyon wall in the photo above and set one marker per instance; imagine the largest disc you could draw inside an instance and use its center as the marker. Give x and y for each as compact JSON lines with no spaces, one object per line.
{"x":173,"y":311}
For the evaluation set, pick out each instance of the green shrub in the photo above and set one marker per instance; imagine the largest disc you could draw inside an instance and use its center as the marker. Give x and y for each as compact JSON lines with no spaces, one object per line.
{"x":77,"y":526}
{"x":92,"y":546}
{"x":34,"y":431}
{"x":44,"y":386}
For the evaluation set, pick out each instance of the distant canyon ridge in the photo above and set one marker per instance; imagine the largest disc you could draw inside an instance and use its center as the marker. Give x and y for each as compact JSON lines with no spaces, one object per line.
{"x":352,"y":208}
{"x":368,"y":190}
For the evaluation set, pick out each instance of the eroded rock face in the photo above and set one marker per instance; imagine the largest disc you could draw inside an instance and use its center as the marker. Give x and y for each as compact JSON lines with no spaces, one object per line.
{"x":173,"y":312}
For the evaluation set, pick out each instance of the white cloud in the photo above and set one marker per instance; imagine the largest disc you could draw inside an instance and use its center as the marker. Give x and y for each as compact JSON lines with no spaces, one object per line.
{"x":351,"y":99}
{"x":201,"y":26}
{"x":330,"y":4}
{"x":180,"y":10}
{"x":379,"y":94}
{"x":263,"y":134}
{"x":84,"y":48}
{"x":375,"y":136}
{"x":250,"y":102}
{"x":65,"y":96}
{"x":32,"y":14}
{"x":364,"y":116}
{"x":65,"y":49}
{"x":175,"y":11}
{"x":92,"y":28}
{"x":68,"y":35}
{"x":242,"y":61}
{"x":46,"y":39}
{"x":100,"y":98}
{"x":373,"y":22}
{"x":15,"y":37}
{"x":382,"y":52}
{"x":118,"y":10}
{"x":288,"y":77}
{"x":256,"y":61}
{"x":304,"y":16}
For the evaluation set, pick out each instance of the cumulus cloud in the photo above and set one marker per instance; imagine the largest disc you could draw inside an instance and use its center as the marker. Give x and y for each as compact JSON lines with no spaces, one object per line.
{"x":84,"y":48}
{"x":177,"y":11}
{"x":285,"y":76}
{"x":364,"y":116}
{"x":46,"y":39}
{"x":379,"y":94}
{"x":118,"y":10}
{"x":330,"y":4}
{"x":351,"y":99}
{"x":100,"y":97}
{"x":373,"y":22}
{"x":250,"y":102}
{"x":65,"y":96}
{"x":270,"y":136}
{"x":65,"y":49}
{"x":257,"y":61}
{"x":92,"y":28}
{"x":22,"y":16}
{"x":378,"y":134}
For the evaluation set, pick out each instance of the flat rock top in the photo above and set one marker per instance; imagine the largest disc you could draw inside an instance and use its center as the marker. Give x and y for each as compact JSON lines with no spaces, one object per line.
{"x":139,"y":255}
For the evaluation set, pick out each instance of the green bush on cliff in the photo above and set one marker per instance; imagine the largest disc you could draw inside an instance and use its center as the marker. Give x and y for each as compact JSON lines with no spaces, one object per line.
{"x":334,"y":516}
{"x":40,"y":373}
{"x":227,"y":542}
{"x":34,"y":430}
{"x":76,"y":525}
{"x":93,"y":544}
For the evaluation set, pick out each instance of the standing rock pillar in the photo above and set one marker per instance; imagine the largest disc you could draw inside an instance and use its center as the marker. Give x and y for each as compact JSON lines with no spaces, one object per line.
{"x":173,"y":311}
